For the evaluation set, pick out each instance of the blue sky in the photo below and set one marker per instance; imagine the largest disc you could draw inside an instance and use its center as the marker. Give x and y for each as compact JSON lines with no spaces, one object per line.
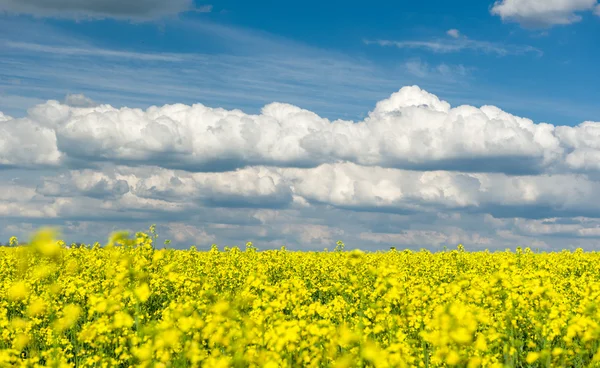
{"x":219,"y":121}
{"x":546,"y":74}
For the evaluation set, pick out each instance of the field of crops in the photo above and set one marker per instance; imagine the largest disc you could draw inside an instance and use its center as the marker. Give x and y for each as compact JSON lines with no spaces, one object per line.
{"x":127,"y":304}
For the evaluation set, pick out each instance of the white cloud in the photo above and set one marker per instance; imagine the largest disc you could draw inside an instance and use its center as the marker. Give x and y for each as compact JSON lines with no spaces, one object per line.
{"x":416,"y":172}
{"x":313,"y":235}
{"x":191,"y":234}
{"x":91,"y":52}
{"x":25,"y":143}
{"x":16,"y":193}
{"x":412,"y":129}
{"x":583,"y":145}
{"x":455,"y":33}
{"x":583,"y":228}
{"x":4,"y":117}
{"x":87,"y":183}
{"x":542,"y":13}
{"x":79,"y":100}
{"x":353,"y":203}
{"x":458,"y":44}
{"x":374,"y":188}
{"x":438,"y":239}
{"x":341,"y":185}
{"x":100,"y":9}
{"x":424,"y":70}
{"x":251,"y":187}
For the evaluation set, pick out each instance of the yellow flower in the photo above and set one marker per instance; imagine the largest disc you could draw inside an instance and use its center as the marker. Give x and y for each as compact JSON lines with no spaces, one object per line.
{"x":44,"y":242}
{"x":18,"y":291}
{"x":234,"y":308}
{"x":70,"y":315}
{"x":170,"y":337}
{"x":480,"y":343}
{"x":474,"y":362}
{"x":18,"y":323}
{"x":346,"y":361}
{"x":122,"y":319}
{"x":142,"y":292}
{"x":118,"y":238}
{"x":221,"y":307}
{"x":21,"y":341}
{"x":143,"y":353}
{"x":532,"y":357}
{"x":453,"y":358}
{"x":461,"y":336}
{"x":36,"y":307}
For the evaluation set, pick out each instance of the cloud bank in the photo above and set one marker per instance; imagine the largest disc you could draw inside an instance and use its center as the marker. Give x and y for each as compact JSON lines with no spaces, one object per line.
{"x":412,"y":129}
{"x":415,"y":172}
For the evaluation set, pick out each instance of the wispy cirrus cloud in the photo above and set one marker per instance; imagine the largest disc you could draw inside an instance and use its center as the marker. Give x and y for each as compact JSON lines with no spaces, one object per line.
{"x":443,"y":71}
{"x":249,"y":70}
{"x":90,"y":51}
{"x":457,"y":43}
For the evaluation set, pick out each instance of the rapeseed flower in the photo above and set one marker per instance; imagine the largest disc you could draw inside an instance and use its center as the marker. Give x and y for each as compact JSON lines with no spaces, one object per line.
{"x":128,"y":304}
{"x":18,"y":291}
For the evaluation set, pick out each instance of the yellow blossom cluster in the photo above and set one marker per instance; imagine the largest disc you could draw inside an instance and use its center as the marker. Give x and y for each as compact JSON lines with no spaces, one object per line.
{"x":128,"y":304}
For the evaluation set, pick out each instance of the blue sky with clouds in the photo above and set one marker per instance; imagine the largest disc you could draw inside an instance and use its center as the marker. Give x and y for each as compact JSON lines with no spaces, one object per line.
{"x":237,"y":54}
{"x":264,"y":154}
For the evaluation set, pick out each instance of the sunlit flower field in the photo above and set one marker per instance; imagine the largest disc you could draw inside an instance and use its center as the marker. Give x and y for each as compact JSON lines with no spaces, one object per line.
{"x":126,"y":304}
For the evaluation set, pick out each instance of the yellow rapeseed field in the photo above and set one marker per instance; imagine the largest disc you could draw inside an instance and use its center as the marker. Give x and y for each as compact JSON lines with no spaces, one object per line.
{"x":127,"y":304}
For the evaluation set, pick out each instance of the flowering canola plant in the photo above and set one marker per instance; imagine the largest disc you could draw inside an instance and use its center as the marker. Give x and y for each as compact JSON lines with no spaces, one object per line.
{"x":128,"y":304}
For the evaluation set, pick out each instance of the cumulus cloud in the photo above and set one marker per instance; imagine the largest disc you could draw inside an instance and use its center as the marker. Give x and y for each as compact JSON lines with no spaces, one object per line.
{"x":85,"y":183}
{"x":581,"y":227}
{"x":79,"y":100}
{"x":542,"y":13}
{"x":412,"y":129}
{"x":256,"y":187}
{"x":429,"y":237}
{"x":16,"y":193}
{"x":99,"y":9}
{"x":314,"y":235}
{"x":4,"y":117}
{"x":25,"y":143}
{"x":195,"y":137}
{"x":193,"y":235}
{"x":583,"y":144}
{"x":368,"y":206}
{"x":416,"y":172}
{"x":341,"y":185}
{"x":351,"y":186}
